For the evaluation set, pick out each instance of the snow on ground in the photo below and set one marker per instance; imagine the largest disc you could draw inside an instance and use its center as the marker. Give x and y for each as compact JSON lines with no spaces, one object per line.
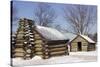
{"x":73,"y":57}
{"x":90,"y":53}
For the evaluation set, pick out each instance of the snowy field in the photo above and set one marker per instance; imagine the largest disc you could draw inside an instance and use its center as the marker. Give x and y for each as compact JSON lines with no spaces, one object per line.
{"x":73,"y":57}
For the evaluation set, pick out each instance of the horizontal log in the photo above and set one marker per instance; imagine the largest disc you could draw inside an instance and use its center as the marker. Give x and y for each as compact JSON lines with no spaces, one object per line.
{"x":19,"y":50}
{"x":36,"y":35}
{"x":19,"y":44}
{"x":20,"y":41}
{"x":53,"y":55}
{"x":20,"y":35}
{"x":19,"y":54}
{"x":45,"y":57}
{"x":38,"y":41}
{"x":58,"y":49}
{"x":53,"y":46}
{"x":36,"y":49}
{"x":60,"y":52}
{"x":37,"y":38}
{"x":21,"y":32}
{"x":39,"y":53}
{"x":34,"y":32}
{"x":27,"y":55}
{"x":38,"y":45}
{"x":46,"y":53}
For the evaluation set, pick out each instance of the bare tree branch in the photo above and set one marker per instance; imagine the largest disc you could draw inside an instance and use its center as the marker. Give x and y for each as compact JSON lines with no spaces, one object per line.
{"x":44,"y":14}
{"x":80,"y":17}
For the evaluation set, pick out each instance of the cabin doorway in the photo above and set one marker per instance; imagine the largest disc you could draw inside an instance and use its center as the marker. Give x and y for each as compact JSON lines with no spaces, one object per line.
{"x":79,"y":46}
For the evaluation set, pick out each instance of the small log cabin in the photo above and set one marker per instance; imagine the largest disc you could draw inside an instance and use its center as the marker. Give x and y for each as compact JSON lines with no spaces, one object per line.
{"x":37,"y":40}
{"x":82,"y":43}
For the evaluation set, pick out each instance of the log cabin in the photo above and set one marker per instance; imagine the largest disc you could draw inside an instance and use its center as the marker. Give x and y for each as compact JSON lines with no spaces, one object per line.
{"x":82,"y":43}
{"x":32,"y":40}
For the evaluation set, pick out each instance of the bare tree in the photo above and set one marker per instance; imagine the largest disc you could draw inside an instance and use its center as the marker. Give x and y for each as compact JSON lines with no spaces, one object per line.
{"x":44,"y":14}
{"x":60,"y":28}
{"x":81,"y":18}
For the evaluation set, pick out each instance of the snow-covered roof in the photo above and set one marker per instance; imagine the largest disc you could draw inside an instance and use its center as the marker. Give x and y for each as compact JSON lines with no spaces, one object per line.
{"x":87,"y":38}
{"x":50,"y":33}
{"x":71,"y":36}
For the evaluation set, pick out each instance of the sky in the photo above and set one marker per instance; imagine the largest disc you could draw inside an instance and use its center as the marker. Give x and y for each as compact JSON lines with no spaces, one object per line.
{"x":26,"y":10}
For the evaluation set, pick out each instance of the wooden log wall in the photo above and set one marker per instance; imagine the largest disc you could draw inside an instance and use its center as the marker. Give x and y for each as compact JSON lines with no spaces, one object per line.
{"x":40,"y":47}
{"x":24,"y":46}
{"x":58,"y":49}
{"x":13,"y":42}
{"x":29,"y":43}
{"x":29,"y":40}
{"x":19,"y":50}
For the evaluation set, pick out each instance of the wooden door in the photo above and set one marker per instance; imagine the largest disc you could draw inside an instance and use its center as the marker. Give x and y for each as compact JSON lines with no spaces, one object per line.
{"x":79,"y":46}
